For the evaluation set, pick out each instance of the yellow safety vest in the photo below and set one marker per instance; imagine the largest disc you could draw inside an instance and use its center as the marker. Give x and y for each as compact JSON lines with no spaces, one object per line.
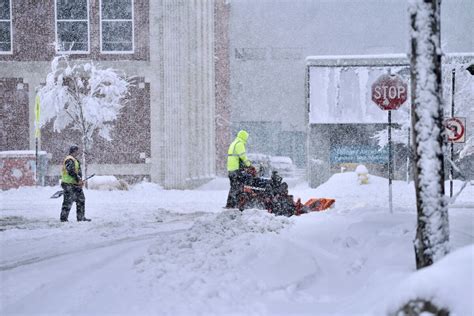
{"x":65,"y":176}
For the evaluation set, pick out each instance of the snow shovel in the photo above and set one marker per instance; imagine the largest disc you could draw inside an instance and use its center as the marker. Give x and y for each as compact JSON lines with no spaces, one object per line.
{"x":61,"y":192}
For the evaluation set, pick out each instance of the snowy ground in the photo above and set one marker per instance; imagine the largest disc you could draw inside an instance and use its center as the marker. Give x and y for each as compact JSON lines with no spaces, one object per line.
{"x":150,"y":251}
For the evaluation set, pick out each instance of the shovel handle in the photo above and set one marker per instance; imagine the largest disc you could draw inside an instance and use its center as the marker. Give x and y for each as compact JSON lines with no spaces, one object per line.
{"x":89,"y":177}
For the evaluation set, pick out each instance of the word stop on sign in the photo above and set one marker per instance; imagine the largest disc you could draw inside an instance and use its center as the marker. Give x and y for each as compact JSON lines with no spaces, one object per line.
{"x":389,"y":92}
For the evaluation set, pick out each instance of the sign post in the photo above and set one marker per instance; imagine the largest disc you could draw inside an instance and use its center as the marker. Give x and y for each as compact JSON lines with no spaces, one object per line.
{"x":456,"y":133}
{"x":390,"y":161}
{"x":37,"y":134}
{"x":389,"y":92}
{"x":453,"y":88}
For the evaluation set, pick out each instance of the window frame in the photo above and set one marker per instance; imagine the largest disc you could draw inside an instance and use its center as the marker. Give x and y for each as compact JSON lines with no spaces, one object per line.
{"x":10,"y":52}
{"x":101,"y":20}
{"x":57,"y":48}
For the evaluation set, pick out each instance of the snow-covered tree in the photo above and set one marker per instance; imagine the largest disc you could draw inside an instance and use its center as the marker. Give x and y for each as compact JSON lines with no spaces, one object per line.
{"x":432,"y":236}
{"x":83,"y":97}
{"x":399,"y":132}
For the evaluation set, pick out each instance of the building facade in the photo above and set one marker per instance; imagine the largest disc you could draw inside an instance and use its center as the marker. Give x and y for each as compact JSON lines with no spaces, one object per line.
{"x":270,"y":40}
{"x":343,"y":120}
{"x":167,"y":131}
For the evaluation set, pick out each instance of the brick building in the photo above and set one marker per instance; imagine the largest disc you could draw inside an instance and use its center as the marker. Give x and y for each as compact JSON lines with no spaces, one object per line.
{"x":167,"y":132}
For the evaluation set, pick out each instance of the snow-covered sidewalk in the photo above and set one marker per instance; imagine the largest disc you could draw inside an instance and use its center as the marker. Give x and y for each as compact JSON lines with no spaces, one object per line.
{"x":150,"y":251}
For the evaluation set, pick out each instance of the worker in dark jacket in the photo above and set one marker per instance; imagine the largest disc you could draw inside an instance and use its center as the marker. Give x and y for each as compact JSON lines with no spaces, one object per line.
{"x":71,"y":182}
{"x":236,"y":162}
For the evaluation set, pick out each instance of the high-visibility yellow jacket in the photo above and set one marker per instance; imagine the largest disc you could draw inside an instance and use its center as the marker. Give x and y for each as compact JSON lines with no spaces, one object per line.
{"x":65,"y":176}
{"x":236,"y":155}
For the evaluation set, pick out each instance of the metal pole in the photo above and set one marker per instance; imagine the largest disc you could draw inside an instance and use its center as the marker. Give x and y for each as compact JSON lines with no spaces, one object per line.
{"x":408,"y":155}
{"x":37,"y":134}
{"x":390,"y":162}
{"x":36,"y":161}
{"x":452,"y":143}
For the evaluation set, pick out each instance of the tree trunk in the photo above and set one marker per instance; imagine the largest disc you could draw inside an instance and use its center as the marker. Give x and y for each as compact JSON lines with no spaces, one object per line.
{"x":432,"y":235}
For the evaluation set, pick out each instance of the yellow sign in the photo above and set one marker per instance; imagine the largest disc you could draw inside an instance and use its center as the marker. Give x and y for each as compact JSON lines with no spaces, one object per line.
{"x":37,"y":116}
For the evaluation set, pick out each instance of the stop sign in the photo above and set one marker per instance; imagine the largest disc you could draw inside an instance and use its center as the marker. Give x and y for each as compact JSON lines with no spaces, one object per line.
{"x":389,"y":92}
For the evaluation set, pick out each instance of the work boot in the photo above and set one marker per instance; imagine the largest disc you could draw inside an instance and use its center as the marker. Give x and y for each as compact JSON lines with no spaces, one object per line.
{"x":64,"y":220}
{"x":84,"y":220}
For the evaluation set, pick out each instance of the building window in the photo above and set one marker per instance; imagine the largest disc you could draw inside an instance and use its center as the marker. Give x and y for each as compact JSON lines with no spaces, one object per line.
{"x":72,"y":26}
{"x":5,"y":27}
{"x":116,"y":26}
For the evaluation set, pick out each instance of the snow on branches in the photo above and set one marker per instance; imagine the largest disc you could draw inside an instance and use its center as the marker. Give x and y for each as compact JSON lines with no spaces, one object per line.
{"x":81,"y":96}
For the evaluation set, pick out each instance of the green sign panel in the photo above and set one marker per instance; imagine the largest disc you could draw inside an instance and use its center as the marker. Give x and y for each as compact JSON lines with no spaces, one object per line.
{"x":359,"y":154}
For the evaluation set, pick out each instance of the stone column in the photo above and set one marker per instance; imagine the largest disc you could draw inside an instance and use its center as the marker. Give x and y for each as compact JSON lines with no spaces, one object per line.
{"x":174,"y":39}
{"x":221,"y":92}
{"x":155,"y":77}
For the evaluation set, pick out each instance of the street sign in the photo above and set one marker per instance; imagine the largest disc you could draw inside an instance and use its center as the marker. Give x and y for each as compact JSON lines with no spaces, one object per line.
{"x":389,"y":92}
{"x":358,"y":154}
{"x":456,"y":129}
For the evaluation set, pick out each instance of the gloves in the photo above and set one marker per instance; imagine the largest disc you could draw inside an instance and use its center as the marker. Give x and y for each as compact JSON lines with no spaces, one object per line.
{"x":252,"y":171}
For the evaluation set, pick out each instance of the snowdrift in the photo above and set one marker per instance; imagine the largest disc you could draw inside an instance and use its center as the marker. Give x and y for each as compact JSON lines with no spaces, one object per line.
{"x":448,"y":283}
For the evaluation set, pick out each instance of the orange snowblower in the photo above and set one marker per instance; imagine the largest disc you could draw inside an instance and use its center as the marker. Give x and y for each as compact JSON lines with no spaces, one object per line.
{"x":272,"y":195}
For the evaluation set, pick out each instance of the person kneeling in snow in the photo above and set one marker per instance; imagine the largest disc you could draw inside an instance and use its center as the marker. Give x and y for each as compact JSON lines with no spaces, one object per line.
{"x":71,"y":182}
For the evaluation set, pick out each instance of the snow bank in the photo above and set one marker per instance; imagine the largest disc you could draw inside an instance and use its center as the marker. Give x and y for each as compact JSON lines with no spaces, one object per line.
{"x":449,"y":283}
{"x":108,"y":183}
{"x":230,"y":257}
{"x":146,"y":186}
{"x":151,"y":251}
{"x":345,"y":188}
{"x":218,"y":183}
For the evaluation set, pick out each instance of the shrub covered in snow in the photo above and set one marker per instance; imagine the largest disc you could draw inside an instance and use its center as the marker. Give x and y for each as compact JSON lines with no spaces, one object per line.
{"x":107,"y":183}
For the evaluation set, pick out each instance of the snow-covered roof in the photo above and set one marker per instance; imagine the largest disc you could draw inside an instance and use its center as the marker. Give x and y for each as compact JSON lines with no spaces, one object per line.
{"x":379,"y":59}
{"x":19,"y":153}
{"x":357,"y":60}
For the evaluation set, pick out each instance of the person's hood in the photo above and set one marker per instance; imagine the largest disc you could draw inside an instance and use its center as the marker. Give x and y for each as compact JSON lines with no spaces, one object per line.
{"x":243,"y":136}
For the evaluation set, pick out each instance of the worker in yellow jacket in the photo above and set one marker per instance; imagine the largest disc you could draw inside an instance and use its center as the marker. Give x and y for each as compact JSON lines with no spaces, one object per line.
{"x":71,"y":182}
{"x":236,"y":161}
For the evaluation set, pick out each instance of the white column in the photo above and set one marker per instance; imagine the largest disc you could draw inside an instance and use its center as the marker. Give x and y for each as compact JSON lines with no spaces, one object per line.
{"x":203,"y":35}
{"x":154,"y":76}
{"x":193,"y":90}
{"x":200,"y":83}
{"x":187,"y":92}
{"x":174,"y":105}
{"x":211,"y":90}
